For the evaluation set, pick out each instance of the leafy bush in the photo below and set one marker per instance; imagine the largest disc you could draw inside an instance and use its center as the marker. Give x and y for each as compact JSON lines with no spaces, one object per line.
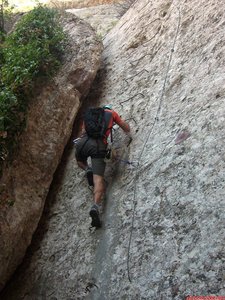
{"x":33,"y":50}
{"x":11,"y":121}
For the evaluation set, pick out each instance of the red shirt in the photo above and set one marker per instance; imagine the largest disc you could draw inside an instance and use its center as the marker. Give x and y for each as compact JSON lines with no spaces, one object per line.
{"x":114,"y":119}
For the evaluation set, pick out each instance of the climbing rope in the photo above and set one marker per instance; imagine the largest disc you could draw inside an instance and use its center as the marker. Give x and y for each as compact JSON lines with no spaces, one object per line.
{"x":146,"y":141}
{"x":127,"y":162}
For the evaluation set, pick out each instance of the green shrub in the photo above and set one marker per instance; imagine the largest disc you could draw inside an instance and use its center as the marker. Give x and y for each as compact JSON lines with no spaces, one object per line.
{"x":11,"y":120}
{"x":32,"y":51}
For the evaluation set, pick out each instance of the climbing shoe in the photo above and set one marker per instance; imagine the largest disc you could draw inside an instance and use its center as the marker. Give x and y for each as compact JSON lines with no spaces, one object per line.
{"x":89,"y":175}
{"x":94,"y":213}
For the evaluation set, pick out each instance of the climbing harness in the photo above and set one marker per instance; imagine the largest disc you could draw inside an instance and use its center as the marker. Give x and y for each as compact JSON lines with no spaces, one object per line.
{"x":145,"y":143}
{"x":108,"y":153}
{"x":75,"y":141}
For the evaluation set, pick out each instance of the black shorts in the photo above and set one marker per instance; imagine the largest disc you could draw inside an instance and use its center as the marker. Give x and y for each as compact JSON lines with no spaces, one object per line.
{"x":96,"y":149}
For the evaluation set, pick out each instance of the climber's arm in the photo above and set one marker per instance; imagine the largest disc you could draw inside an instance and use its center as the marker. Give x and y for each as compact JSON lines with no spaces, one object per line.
{"x":123,"y":125}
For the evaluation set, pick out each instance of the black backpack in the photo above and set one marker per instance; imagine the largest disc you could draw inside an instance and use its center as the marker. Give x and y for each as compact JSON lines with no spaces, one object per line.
{"x":95,"y":123}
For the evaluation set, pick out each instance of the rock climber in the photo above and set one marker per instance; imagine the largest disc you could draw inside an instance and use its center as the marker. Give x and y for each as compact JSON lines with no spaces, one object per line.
{"x":97,"y":127}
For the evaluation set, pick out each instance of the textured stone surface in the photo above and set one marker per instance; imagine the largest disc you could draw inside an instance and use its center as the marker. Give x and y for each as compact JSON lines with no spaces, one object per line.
{"x":102,"y":17}
{"x":163,"y":221}
{"x":25,"y":184}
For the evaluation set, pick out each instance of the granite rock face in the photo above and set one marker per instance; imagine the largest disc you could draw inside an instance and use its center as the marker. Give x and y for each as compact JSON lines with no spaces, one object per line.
{"x":52,"y":111}
{"x":163,"y":218}
{"x":102,"y":17}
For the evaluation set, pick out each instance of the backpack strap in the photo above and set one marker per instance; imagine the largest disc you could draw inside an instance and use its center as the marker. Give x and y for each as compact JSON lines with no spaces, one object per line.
{"x":107,"y":117}
{"x":84,"y":144}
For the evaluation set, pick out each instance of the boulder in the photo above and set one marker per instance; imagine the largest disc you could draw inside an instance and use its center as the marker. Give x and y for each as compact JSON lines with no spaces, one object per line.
{"x":51,"y":115}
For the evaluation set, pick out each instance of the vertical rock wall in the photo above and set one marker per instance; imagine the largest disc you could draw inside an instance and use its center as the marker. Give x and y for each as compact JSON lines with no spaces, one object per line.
{"x":170,"y":209}
{"x":163,"y":217}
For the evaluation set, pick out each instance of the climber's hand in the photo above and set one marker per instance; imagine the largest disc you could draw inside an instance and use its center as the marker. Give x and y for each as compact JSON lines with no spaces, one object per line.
{"x":130,"y":138}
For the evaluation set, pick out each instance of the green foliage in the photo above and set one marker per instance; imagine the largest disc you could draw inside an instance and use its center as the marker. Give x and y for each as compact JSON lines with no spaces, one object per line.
{"x":32,"y":51}
{"x":12,"y":118}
